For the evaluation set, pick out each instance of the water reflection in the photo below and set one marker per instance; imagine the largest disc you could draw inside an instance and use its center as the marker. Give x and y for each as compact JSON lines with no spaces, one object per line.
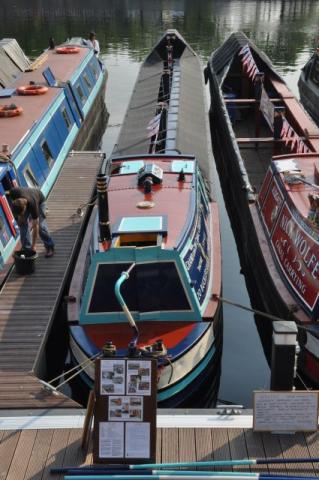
{"x":127,"y":29}
{"x":282,"y":28}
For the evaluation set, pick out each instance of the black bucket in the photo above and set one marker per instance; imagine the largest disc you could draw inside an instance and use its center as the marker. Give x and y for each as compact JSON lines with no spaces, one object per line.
{"x":24,"y":261}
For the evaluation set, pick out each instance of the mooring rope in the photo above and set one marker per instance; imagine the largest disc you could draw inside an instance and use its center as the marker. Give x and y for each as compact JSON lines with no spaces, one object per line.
{"x":248,"y":309}
{"x":80,"y":366}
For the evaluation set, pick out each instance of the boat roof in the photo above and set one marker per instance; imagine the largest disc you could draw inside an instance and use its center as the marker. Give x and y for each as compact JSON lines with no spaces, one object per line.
{"x":172,"y":200}
{"x":187,"y":96}
{"x":223,"y":56}
{"x":13,"y":129}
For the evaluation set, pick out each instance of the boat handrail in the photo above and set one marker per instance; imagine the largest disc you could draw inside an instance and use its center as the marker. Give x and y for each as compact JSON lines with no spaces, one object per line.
{"x":124,"y":276}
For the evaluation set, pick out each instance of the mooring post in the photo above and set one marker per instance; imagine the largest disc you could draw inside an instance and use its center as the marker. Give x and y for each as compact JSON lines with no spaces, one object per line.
{"x":283,"y":355}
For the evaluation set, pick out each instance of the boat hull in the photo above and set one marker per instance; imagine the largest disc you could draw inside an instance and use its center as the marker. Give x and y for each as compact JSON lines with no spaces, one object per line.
{"x":266,"y":287}
{"x":196,"y":381}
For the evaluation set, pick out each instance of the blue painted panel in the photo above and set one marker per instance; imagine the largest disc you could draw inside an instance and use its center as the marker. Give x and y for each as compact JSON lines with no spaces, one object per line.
{"x":197,"y":259}
{"x":59,"y":122}
{"x":90,"y":75}
{"x":74,"y":107}
{"x":31,"y":160}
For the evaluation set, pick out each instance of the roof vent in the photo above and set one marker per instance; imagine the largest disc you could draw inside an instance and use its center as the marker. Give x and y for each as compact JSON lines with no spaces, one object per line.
{"x":150,"y":171}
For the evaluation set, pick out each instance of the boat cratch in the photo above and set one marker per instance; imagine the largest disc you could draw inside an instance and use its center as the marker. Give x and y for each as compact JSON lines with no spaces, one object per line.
{"x":267,"y":153}
{"x":47,"y":107}
{"x":149,"y":264}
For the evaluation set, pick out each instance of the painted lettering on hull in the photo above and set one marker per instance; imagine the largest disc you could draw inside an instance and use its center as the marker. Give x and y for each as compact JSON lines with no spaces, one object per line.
{"x":298,"y":256}
{"x":197,"y":259}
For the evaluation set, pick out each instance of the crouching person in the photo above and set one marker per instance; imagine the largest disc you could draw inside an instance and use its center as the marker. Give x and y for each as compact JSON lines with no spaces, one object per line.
{"x":29,"y":204}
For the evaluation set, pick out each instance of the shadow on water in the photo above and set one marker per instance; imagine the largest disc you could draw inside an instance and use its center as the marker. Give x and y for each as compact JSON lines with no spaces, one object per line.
{"x":127,"y":29}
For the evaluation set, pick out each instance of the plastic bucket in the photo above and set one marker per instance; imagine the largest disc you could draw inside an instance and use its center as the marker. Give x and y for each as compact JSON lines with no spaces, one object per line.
{"x":24,"y":261}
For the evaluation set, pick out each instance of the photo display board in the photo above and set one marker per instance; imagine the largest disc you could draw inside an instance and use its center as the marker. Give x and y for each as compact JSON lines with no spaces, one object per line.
{"x":125,"y":410}
{"x":292,"y":411}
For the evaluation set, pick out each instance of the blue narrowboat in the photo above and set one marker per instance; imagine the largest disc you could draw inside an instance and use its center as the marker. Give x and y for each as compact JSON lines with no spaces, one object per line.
{"x":47,"y":107}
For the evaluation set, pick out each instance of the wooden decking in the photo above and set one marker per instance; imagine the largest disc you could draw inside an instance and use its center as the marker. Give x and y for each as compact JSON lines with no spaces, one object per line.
{"x":29,"y":454}
{"x":28,"y":303}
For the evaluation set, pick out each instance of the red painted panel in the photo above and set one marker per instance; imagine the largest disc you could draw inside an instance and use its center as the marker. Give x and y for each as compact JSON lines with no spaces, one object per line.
{"x":272,"y":205}
{"x":8,"y":214}
{"x":171,"y":333}
{"x":298,"y":256}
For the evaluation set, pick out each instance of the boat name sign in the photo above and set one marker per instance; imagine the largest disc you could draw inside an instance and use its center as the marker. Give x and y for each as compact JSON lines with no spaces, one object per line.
{"x":298,"y":256}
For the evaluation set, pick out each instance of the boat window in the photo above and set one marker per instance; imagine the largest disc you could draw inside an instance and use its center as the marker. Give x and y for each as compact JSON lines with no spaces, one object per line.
{"x":81,"y":93}
{"x":94,"y":70}
{"x":150,"y":287}
{"x":29,"y":177}
{"x":87,"y":81}
{"x":47,"y":152}
{"x":186,"y":166}
{"x":315,"y":72}
{"x":66,"y":118}
{"x":132,"y":166}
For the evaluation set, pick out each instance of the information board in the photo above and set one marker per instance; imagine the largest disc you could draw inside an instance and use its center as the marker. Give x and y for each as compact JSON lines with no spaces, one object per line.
{"x":285,"y":411}
{"x":125,"y":410}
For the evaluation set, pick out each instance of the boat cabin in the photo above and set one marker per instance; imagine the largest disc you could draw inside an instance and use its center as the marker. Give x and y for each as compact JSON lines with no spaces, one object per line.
{"x":160,"y":221}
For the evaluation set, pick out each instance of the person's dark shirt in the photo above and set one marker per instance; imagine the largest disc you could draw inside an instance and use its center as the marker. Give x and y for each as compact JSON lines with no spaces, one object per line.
{"x":34,"y":197}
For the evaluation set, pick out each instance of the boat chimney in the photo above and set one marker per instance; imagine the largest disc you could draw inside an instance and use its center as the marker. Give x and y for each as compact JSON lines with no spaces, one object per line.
{"x":283,"y":355}
{"x":181,"y":176}
{"x":148,"y":182}
{"x":103,"y":205}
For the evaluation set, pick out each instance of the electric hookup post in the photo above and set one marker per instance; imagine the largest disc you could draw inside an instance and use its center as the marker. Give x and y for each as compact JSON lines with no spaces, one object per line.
{"x":125,"y":410}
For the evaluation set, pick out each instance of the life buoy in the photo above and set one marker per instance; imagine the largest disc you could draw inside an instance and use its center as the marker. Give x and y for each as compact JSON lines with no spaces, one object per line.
{"x":10,"y":111}
{"x":67,"y":50}
{"x":32,"y":90}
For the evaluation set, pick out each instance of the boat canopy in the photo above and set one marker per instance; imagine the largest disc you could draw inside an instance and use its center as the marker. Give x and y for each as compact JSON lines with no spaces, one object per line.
{"x":224,"y":55}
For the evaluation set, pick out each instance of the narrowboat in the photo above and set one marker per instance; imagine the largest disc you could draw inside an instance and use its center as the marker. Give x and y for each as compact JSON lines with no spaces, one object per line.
{"x":156,"y":231}
{"x":309,"y":86}
{"x":266,"y":150}
{"x":47,"y":107}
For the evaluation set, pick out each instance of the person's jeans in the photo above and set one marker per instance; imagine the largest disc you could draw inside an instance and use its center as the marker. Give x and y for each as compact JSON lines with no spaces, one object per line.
{"x":44,"y":233}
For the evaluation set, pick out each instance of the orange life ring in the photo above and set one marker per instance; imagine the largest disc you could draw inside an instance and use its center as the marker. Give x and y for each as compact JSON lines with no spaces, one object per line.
{"x":67,"y":50}
{"x":10,"y":111}
{"x":32,"y":90}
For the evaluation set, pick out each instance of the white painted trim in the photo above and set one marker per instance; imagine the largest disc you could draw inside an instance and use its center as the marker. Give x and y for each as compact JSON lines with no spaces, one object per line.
{"x":163,"y":421}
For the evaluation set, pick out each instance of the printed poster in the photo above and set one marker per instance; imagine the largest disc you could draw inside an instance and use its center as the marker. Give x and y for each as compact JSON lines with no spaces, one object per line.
{"x":127,"y":408}
{"x":138,"y":381}
{"x":112,"y":377}
{"x":137,"y":440}
{"x":111,"y":440}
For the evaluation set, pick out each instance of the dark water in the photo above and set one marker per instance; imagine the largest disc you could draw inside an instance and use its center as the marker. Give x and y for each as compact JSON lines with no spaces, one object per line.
{"x":127,"y":29}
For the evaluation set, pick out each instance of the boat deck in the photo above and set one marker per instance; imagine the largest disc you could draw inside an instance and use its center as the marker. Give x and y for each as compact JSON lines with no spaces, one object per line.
{"x":30,"y":453}
{"x":28,"y":303}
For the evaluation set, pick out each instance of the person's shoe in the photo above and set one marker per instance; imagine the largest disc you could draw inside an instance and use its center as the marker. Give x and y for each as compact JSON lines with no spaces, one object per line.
{"x":49,"y":252}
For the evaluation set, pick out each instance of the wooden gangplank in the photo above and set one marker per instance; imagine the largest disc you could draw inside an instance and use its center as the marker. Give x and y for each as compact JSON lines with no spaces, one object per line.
{"x":28,"y":303}
{"x":30,"y":454}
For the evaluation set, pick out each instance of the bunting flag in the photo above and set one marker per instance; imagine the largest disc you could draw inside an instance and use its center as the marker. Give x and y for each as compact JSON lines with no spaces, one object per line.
{"x":245,"y":49}
{"x":291,"y":136}
{"x":153,"y":126}
{"x":249,"y":64}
